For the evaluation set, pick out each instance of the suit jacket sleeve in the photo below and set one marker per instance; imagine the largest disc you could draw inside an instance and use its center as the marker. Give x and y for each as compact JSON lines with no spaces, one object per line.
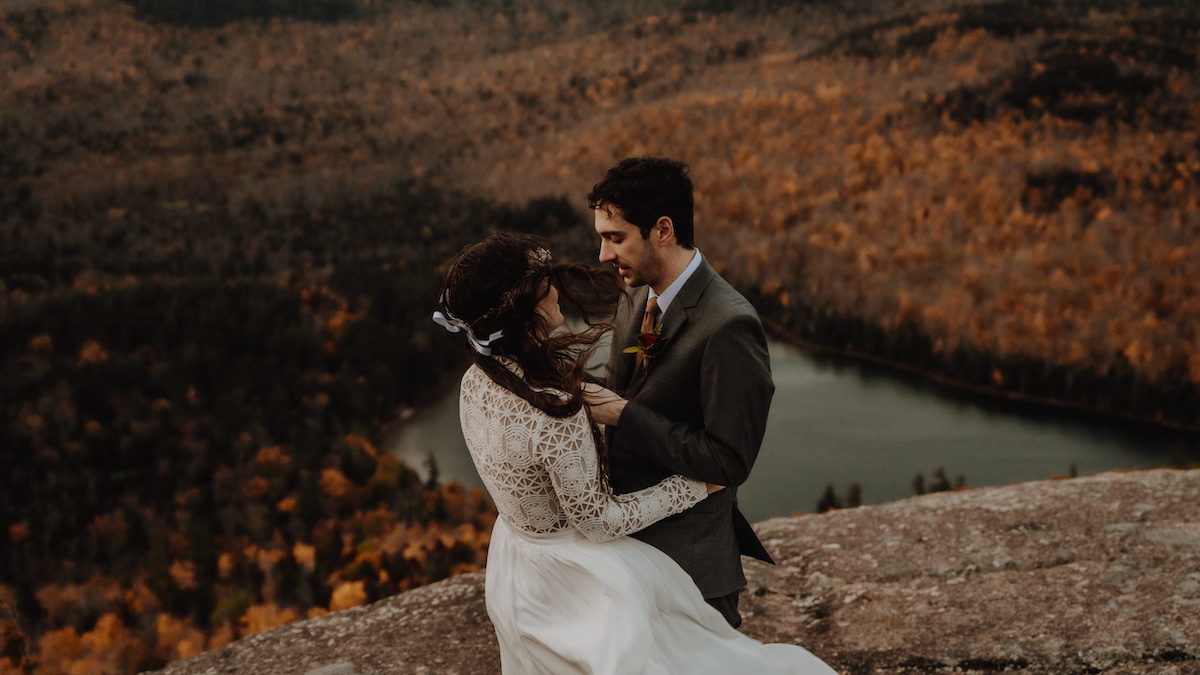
{"x":735,"y":395}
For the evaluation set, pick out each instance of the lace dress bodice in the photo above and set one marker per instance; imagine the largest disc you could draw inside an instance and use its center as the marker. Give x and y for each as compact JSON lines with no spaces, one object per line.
{"x":543,"y":473}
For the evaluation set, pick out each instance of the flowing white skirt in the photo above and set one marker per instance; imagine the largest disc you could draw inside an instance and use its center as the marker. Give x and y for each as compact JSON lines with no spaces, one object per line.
{"x":563,"y":604}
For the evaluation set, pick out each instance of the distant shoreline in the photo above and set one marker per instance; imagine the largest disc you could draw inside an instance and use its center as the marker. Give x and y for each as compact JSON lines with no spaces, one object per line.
{"x":779,"y":331}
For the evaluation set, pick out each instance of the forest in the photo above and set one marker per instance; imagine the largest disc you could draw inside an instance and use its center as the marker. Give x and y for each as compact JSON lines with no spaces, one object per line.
{"x":222,"y":225}
{"x":191,"y":458}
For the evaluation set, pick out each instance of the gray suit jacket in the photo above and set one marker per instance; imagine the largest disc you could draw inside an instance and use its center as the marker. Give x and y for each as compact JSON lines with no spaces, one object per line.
{"x":698,"y":409}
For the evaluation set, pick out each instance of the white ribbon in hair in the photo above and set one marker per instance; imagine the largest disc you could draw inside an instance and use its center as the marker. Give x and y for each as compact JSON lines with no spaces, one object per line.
{"x":455,"y":325}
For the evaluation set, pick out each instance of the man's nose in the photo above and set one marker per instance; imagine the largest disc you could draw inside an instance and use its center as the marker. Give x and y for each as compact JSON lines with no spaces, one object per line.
{"x":606,"y":254}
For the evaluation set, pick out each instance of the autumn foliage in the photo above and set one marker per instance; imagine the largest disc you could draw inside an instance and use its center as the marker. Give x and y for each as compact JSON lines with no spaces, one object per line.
{"x":220,"y":225}
{"x":1008,"y":184}
{"x":170,"y":590}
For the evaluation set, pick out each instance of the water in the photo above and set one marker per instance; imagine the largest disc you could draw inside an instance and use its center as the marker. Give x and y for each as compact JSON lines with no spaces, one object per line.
{"x":841,"y":424}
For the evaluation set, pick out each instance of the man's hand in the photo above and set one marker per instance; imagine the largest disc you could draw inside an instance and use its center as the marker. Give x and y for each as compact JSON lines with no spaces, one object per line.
{"x":604,"y":404}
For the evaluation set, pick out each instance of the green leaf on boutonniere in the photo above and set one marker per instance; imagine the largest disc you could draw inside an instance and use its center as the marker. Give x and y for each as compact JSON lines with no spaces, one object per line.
{"x":646,"y":342}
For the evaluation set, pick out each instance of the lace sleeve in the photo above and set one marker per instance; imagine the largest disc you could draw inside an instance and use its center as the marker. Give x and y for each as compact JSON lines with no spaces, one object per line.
{"x":568,"y":452}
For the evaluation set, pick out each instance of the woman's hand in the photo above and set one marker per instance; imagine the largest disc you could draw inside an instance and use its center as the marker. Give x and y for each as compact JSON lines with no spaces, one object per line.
{"x":713,"y":487}
{"x":604,"y":404}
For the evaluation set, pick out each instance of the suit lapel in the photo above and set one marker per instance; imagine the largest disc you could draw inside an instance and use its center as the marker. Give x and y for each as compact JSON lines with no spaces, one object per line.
{"x":681,"y":310}
{"x":672,"y":321}
{"x":625,"y":334}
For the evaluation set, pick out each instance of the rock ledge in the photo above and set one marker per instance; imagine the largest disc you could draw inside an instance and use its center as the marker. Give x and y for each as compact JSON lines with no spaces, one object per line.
{"x":1091,"y":575}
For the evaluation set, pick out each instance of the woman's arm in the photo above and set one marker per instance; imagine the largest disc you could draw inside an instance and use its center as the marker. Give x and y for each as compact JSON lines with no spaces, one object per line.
{"x":734,"y":396}
{"x":568,"y":453}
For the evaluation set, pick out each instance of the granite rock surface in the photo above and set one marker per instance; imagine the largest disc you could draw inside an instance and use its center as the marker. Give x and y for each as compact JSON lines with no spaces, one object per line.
{"x":1089,"y":575}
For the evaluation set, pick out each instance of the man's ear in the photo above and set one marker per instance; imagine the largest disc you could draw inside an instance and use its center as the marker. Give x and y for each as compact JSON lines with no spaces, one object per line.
{"x":664,"y":231}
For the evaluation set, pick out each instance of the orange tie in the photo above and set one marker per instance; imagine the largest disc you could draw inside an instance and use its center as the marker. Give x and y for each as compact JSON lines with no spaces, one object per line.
{"x":648,"y":321}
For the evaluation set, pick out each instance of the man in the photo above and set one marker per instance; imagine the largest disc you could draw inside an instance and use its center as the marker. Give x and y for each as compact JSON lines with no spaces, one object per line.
{"x":698,"y":385}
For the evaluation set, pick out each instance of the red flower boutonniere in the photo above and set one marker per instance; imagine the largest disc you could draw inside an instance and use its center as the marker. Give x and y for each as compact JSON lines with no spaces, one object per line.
{"x":648,"y":346}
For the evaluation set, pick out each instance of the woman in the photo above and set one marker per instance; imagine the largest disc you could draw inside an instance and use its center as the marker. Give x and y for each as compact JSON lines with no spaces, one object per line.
{"x":566,"y":591}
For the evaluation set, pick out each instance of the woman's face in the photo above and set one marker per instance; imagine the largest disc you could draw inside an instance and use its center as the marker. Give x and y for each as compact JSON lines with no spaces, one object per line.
{"x":549,"y":310}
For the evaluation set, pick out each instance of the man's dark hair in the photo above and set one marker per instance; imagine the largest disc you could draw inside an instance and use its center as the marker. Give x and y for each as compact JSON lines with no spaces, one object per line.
{"x":645,"y":189}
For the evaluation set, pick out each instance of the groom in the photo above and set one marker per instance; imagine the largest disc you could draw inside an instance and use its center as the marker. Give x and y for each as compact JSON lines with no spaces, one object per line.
{"x":699,"y":385}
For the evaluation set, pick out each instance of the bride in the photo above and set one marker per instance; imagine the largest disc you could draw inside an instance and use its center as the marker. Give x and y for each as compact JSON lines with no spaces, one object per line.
{"x":566,"y":590}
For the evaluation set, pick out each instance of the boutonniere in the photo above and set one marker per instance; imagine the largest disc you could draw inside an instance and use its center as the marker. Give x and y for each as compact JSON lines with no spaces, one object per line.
{"x":647,"y":346}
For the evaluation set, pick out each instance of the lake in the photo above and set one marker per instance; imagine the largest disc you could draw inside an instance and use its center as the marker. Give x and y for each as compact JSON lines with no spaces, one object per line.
{"x":840,"y":423}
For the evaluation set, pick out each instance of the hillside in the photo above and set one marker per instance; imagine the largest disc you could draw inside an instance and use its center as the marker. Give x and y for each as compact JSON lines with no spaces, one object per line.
{"x":1091,"y":575}
{"x":1003,"y":192}
{"x":221,"y":226}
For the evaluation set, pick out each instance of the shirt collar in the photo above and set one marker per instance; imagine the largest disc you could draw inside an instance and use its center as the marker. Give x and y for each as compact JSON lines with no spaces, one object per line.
{"x":664,"y":299}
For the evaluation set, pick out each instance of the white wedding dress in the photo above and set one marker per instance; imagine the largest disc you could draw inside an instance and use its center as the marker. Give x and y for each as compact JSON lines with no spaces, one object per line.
{"x":566,"y":590}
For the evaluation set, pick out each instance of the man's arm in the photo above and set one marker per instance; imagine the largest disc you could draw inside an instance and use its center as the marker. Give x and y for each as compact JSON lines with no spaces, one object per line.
{"x":735,"y":396}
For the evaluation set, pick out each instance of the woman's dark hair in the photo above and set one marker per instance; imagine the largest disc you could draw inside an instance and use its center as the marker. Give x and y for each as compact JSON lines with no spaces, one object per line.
{"x":496,"y":285}
{"x":645,"y":189}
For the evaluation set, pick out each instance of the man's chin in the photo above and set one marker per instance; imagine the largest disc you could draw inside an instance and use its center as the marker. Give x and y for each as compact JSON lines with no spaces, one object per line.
{"x":630,"y":279}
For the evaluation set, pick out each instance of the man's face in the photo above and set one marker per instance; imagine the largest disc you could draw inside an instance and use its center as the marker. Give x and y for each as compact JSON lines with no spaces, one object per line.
{"x":621,"y":244}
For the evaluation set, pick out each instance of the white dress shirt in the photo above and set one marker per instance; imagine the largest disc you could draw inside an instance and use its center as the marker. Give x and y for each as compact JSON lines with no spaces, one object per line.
{"x":665,"y":298}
